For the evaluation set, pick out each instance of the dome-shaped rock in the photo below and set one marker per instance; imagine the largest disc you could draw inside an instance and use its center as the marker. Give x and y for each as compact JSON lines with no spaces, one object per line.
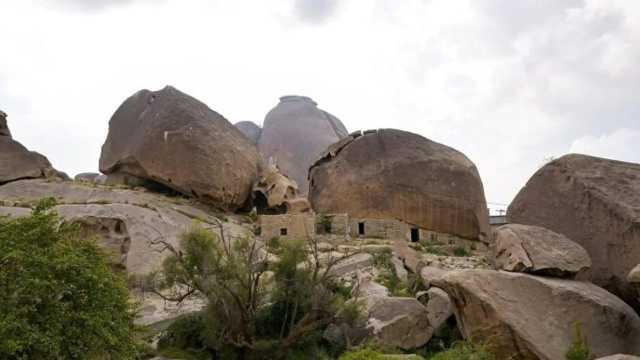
{"x":17,"y":162}
{"x":393,"y":174}
{"x":594,"y":202}
{"x":250,"y":130}
{"x":171,"y":138}
{"x":295,"y":133}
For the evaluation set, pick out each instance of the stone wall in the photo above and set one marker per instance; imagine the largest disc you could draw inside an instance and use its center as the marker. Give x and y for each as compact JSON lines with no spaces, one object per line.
{"x":301,"y":226}
{"x":287,"y":226}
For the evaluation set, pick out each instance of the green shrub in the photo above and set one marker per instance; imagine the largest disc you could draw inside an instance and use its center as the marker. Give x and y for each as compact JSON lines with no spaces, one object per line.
{"x":464,"y":351}
{"x":579,"y":349}
{"x":460,"y":252}
{"x":186,"y":332}
{"x":59,"y":298}
{"x":363,"y":354}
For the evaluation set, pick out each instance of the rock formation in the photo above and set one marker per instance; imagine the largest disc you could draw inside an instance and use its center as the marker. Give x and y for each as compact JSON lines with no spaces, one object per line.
{"x":534,"y":249}
{"x":295,"y":133}
{"x":170,"y":138}
{"x":594,"y":202}
{"x":531,"y":317}
{"x":250,"y":130}
{"x":89,"y":177}
{"x":393,"y":174}
{"x":16,"y":162}
{"x":274,"y":193}
{"x":129,"y":223}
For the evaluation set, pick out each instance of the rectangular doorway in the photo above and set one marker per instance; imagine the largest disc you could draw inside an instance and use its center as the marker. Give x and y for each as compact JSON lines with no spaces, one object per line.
{"x":415,"y":234}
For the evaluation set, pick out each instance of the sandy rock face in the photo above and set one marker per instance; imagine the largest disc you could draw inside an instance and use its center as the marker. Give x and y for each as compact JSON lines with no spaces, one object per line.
{"x":16,"y":162}
{"x":250,"y":130}
{"x":171,"y":138}
{"x":393,"y":174}
{"x":295,"y":133}
{"x":128,"y":223}
{"x":275,"y":193}
{"x":594,"y":202}
{"x":534,"y":249}
{"x":532,"y":317}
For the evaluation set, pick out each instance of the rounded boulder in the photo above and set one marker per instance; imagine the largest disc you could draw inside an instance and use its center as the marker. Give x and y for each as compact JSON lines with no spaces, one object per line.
{"x":394,"y":174}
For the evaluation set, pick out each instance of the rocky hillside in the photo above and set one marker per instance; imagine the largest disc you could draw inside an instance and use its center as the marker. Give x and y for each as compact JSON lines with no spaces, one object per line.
{"x":523,"y":290}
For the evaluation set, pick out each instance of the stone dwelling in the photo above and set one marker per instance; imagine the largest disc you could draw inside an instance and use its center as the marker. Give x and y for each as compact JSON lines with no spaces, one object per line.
{"x":347,"y":228}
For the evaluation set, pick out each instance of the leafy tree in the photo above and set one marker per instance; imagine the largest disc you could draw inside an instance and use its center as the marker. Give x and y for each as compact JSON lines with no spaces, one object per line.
{"x":59,"y":298}
{"x":264,"y":300}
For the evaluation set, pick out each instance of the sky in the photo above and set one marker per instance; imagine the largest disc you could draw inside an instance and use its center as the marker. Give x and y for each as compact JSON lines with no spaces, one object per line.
{"x":511,"y":84}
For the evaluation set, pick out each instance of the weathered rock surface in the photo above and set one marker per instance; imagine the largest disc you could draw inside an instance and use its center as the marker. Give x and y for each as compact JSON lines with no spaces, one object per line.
{"x":534,"y":249}
{"x":86,"y":176}
{"x":275,"y":193}
{"x":393,"y":174}
{"x":250,"y":130}
{"x":397,"y":321}
{"x":352,"y":264}
{"x":531,"y":317}
{"x":620,"y":357}
{"x":128,"y":222}
{"x":173,"y":139}
{"x":16,"y":162}
{"x":594,"y":202}
{"x":439,"y":308}
{"x":295,"y":133}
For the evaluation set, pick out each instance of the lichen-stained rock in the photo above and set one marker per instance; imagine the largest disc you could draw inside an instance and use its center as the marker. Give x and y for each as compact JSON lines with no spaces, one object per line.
{"x":16,"y":162}
{"x":527,"y":317}
{"x":393,"y":174}
{"x":275,"y":193}
{"x":131,"y":222}
{"x":250,"y":130}
{"x":171,"y":138}
{"x":594,"y":202}
{"x":295,"y":133}
{"x":534,"y":249}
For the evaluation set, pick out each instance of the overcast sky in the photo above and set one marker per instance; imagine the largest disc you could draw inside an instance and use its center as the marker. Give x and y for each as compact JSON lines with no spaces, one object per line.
{"x":509,"y":83}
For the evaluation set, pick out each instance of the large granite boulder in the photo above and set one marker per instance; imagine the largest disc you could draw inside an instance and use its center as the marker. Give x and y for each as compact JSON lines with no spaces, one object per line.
{"x":16,"y":162}
{"x":250,"y":130}
{"x":393,"y":174}
{"x":522,"y":316}
{"x":594,"y":202}
{"x":295,"y":133}
{"x":130,"y":224}
{"x":401,"y":322}
{"x":534,"y":249}
{"x":170,"y":138}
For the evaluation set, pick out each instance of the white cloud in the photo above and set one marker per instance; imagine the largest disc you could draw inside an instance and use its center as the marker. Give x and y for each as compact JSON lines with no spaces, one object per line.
{"x":622,"y":144}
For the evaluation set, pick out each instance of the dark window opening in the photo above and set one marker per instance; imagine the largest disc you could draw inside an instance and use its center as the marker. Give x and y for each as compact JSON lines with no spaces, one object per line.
{"x":283,"y":231}
{"x":361,"y":228}
{"x":415,"y":235}
{"x":262,"y":205}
